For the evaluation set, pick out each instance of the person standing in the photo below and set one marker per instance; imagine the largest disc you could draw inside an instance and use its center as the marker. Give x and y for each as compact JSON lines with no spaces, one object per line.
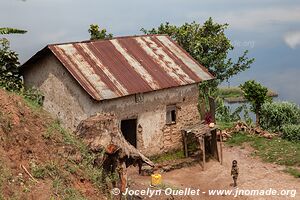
{"x":234,"y":172}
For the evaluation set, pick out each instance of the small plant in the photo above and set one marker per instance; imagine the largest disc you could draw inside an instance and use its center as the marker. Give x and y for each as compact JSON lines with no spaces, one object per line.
{"x":294,"y":172}
{"x":4,"y":176}
{"x":291,"y":132}
{"x":5,"y":123}
{"x":72,"y":194}
{"x":34,"y":96}
{"x":225,"y":115}
{"x":71,"y":168}
{"x":256,"y":94}
{"x":37,"y":171}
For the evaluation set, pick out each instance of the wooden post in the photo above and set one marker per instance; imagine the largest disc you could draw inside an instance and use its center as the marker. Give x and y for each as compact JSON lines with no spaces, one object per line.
{"x":203,"y":143}
{"x":221,"y":148}
{"x":202,"y":146}
{"x":214,"y":144}
{"x":185,"y":149}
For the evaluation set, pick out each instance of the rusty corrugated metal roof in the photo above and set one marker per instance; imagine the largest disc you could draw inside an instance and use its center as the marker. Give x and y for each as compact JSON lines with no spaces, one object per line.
{"x":122,"y":66}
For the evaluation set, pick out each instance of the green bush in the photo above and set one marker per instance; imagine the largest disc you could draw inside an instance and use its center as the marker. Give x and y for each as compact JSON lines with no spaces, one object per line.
{"x":291,"y":132}
{"x":33,"y":95}
{"x":226,"y":115}
{"x":276,"y":114}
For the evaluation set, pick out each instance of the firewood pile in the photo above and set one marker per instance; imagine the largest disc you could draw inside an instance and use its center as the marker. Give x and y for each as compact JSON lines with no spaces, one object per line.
{"x":241,"y":126}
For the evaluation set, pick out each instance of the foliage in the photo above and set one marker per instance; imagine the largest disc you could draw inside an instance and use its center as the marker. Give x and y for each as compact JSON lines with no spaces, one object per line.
{"x":225,"y":115}
{"x":7,"y":30}
{"x":291,"y":132}
{"x":37,"y":171}
{"x":274,"y":115}
{"x":5,"y":122}
{"x":235,"y":94}
{"x":277,"y":150}
{"x":55,"y":130}
{"x":10,"y":77}
{"x":207,"y":44}
{"x":256,"y":94}
{"x":33,"y":95}
{"x":97,"y":34}
{"x":227,"y":92}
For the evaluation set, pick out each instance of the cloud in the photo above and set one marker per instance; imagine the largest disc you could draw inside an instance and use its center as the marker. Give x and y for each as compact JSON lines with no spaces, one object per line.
{"x":257,"y":19}
{"x":292,"y":39}
{"x":54,"y":36}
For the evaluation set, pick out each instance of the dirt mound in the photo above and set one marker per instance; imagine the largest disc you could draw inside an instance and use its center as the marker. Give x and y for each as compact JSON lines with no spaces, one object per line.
{"x":38,"y":158}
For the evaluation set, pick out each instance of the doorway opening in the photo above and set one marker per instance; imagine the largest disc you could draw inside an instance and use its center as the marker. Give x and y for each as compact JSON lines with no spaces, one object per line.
{"x":128,"y":128}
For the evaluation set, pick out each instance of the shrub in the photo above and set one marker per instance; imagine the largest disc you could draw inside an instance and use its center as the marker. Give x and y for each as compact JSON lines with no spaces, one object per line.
{"x":275,"y":115}
{"x":33,"y":95}
{"x":226,"y":115}
{"x":10,"y":76}
{"x":291,"y":132}
{"x":256,"y":94}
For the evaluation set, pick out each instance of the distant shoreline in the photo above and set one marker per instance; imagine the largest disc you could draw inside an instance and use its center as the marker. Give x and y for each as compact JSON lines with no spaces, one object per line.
{"x":235,"y":94}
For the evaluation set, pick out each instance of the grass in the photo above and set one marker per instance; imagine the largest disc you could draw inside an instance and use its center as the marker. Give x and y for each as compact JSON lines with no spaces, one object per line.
{"x":235,"y":94}
{"x":229,"y":92}
{"x":277,"y":150}
{"x":61,"y":172}
{"x":4,"y":177}
{"x":173,"y":155}
{"x":60,"y":180}
{"x":294,"y":172}
{"x":5,"y":122}
{"x":65,"y":192}
{"x":225,"y":125}
{"x":54,"y":131}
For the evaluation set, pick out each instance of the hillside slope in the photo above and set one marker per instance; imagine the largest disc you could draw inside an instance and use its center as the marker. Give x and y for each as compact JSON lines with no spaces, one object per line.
{"x":34,"y":144}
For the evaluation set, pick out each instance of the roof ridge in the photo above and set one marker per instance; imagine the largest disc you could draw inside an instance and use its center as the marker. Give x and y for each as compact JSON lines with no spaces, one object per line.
{"x":107,"y":39}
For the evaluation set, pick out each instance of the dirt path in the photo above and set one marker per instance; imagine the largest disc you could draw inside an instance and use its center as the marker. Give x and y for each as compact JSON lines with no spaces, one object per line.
{"x":254,"y":175}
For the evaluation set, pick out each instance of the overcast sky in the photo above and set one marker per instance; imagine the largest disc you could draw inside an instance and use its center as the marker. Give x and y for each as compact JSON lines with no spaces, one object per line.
{"x":270,"y":29}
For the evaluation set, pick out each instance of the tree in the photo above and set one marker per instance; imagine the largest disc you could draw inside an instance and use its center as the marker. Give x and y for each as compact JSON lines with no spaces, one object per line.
{"x":97,"y":34}
{"x":209,"y":45}
{"x":10,"y":77}
{"x":256,"y":94}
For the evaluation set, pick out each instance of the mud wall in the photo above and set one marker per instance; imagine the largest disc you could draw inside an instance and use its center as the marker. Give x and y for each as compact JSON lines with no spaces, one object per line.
{"x":66,"y":99}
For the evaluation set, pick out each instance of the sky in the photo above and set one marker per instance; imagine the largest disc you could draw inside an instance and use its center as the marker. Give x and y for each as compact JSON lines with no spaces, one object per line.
{"x":269,"y":29}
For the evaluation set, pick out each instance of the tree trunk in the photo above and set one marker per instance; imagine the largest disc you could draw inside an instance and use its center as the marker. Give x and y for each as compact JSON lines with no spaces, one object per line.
{"x":257,"y":119}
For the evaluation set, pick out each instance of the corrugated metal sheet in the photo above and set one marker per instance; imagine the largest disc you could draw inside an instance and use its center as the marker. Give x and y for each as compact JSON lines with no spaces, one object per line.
{"x":122,"y":66}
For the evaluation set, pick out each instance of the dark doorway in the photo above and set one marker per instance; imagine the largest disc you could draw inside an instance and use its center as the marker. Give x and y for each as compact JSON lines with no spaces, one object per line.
{"x":128,"y":128}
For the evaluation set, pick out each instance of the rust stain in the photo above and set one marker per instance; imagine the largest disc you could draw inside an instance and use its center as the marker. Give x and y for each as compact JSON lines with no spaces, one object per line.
{"x":123,"y":66}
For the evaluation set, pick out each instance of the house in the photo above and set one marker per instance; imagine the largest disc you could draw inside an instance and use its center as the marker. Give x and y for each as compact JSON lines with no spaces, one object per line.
{"x":148,"y":82}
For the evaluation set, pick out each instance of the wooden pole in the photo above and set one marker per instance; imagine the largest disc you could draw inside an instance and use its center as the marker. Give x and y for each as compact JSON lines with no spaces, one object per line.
{"x":202,"y":146}
{"x":221,"y":148}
